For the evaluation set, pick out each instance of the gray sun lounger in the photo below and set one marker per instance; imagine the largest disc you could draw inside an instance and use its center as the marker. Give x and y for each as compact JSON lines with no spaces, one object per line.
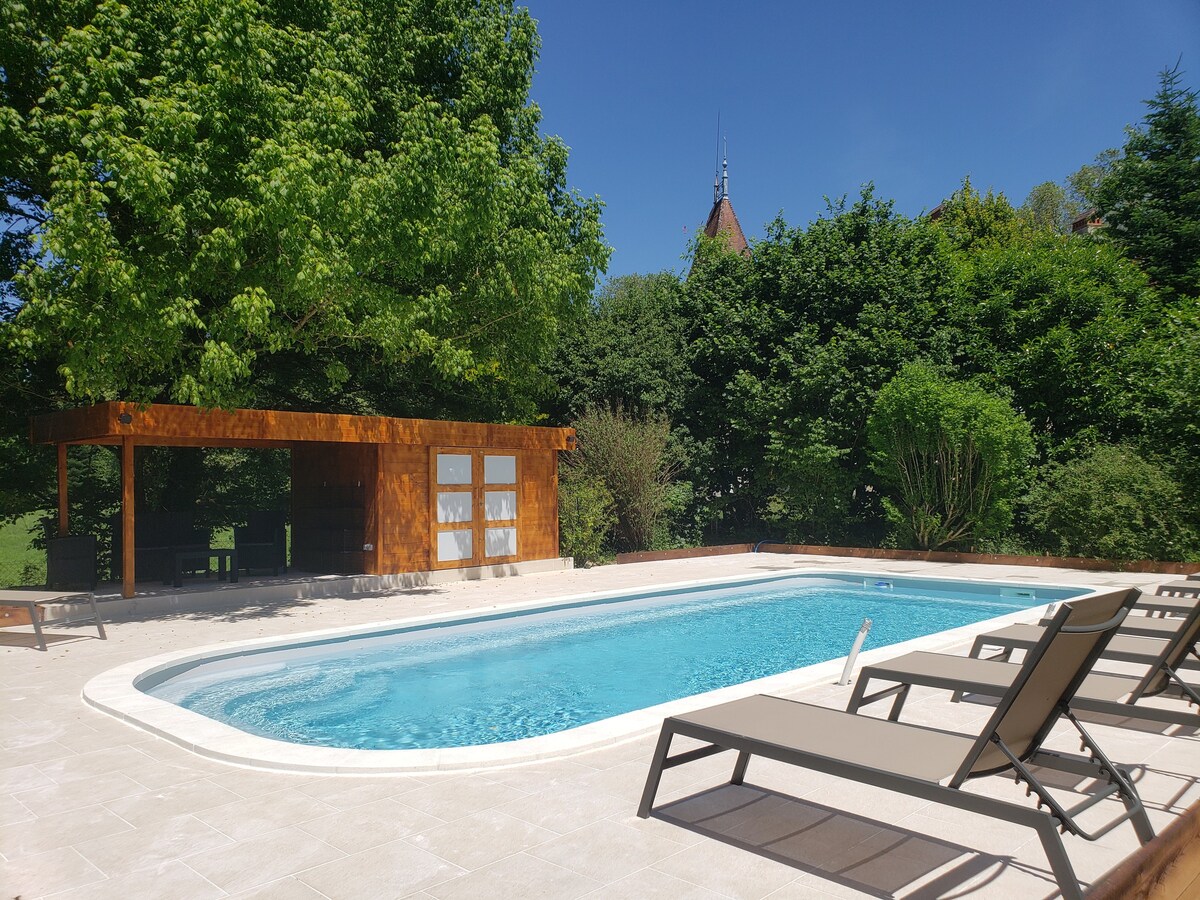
{"x":1122,"y":648}
{"x":931,"y":764}
{"x":1110,"y":693}
{"x":1140,"y":639}
{"x":1189,"y":587}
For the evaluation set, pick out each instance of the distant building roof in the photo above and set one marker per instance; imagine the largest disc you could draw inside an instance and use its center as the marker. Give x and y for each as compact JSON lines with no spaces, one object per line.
{"x":1086,"y":222}
{"x":722,"y":220}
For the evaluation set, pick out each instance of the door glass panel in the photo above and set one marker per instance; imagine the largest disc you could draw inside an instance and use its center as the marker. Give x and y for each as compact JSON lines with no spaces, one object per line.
{"x":500,"y":506}
{"x":453,"y":506}
{"x":453,"y":468}
{"x":501,"y":541}
{"x":453,"y":545}
{"x":499,"y":470}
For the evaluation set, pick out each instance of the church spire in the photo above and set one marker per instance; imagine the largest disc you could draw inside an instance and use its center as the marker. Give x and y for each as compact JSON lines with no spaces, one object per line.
{"x":722,"y":220}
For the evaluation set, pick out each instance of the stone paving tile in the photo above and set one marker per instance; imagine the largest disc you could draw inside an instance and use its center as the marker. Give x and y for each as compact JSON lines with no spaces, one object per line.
{"x":146,"y":849}
{"x":40,"y":874}
{"x":460,"y":797}
{"x":56,"y":798}
{"x":540,"y":776}
{"x":728,"y":870}
{"x":157,"y":775}
{"x":171,"y":879}
{"x":346,"y":793}
{"x":565,"y":809}
{"x":268,"y":857}
{"x":251,"y":783}
{"x":519,"y":877}
{"x":290,"y":888}
{"x":247,"y":818}
{"x":890,"y":862}
{"x":390,"y":870}
{"x":79,"y":766}
{"x":62,"y":830}
{"x":477,"y":840}
{"x":51,"y":746}
{"x":32,"y":754}
{"x":23,"y":778}
{"x":154,"y":806}
{"x":370,"y":824}
{"x":606,"y":851}
{"x":651,"y":884}
{"x":13,"y":811}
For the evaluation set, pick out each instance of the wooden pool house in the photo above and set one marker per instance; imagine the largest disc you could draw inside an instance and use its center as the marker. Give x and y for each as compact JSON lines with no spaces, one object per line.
{"x":370,"y":495}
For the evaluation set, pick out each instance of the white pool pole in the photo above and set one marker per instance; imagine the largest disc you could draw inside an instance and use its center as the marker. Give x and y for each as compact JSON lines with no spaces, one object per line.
{"x":858,"y":642}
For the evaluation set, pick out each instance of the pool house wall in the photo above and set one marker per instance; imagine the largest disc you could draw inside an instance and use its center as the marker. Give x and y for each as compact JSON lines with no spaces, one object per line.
{"x":370,"y":495}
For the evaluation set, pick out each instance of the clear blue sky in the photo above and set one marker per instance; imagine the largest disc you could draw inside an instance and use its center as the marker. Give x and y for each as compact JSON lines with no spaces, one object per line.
{"x":818,"y":98}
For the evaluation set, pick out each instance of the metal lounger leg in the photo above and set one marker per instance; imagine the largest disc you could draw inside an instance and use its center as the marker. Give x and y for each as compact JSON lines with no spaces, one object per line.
{"x":37,"y":626}
{"x":739,"y":768}
{"x":654,"y":776}
{"x":96,"y":614}
{"x":1060,"y":864}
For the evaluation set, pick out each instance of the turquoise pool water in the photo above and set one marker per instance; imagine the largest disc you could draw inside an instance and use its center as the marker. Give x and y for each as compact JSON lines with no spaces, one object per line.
{"x":504,"y":677}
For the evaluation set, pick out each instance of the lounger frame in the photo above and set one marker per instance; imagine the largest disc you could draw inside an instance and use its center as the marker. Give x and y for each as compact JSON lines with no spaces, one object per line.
{"x":1048,"y":819}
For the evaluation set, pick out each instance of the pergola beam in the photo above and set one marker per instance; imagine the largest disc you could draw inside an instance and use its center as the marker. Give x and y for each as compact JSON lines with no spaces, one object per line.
{"x":128,"y":575}
{"x":64,"y":509}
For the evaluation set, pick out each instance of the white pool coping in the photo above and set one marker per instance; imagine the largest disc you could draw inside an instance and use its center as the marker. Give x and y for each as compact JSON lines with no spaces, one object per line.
{"x":115,"y":692}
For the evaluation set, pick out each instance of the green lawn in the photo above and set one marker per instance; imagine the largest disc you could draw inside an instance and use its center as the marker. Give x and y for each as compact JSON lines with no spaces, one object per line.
{"x":20,"y":564}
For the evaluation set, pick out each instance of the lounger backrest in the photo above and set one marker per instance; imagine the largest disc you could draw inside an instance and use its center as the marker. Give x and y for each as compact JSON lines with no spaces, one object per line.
{"x":1174,"y":650}
{"x":1052,"y":671}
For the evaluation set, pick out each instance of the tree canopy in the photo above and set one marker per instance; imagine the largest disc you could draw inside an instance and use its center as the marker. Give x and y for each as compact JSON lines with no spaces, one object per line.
{"x":1150,"y":195}
{"x":953,"y":457}
{"x":212,"y":199}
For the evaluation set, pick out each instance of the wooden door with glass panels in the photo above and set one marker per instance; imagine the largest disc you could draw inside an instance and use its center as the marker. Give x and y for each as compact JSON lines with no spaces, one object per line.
{"x":473,"y":506}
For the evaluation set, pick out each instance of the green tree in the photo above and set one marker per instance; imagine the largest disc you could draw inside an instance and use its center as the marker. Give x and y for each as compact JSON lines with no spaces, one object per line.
{"x":1111,"y":503}
{"x":628,"y":348}
{"x":1049,"y":206}
{"x":1055,"y":322}
{"x":1150,"y":198}
{"x":953,"y":456}
{"x":629,"y":455}
{"x":788,"y":350}
{"x":202,"y":191}
{"x":586,"y":514}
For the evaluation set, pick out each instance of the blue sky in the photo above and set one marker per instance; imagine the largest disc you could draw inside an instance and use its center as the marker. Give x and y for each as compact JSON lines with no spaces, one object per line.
{"x":816,"y":99}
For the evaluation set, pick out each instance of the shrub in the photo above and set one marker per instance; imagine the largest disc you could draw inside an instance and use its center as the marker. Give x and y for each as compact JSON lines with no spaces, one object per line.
{"x":953,"y":456}
{"x":1111,"y":504}
{"x":586,"y":516}
{"x":629,"y":456}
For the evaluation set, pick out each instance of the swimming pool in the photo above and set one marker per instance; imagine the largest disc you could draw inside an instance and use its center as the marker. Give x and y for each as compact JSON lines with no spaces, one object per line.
{"x":523,"y":674}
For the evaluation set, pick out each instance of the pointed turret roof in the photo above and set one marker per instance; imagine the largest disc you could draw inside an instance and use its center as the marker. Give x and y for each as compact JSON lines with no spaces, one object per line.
{"x":722,"y":220}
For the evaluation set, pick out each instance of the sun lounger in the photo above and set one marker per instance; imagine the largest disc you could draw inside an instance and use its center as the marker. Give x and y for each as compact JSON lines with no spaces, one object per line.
{"x":1189,"y":587}
{"x":1122,"y":648}
{"x":932,"y":764}
{"x":1138,"y":640}
{"x":1112,"y":693}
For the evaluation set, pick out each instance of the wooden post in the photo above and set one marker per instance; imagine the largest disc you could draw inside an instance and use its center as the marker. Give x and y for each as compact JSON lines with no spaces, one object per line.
{"x":128,"y":574}
{"x":64,"y":514}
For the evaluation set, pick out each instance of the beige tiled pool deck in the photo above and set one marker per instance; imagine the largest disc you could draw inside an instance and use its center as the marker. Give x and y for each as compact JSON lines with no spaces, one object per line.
{"x":94,"y":808}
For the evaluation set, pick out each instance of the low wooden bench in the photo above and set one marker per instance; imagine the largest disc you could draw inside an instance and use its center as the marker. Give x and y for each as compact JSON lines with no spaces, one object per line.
{"x":31,"y":600}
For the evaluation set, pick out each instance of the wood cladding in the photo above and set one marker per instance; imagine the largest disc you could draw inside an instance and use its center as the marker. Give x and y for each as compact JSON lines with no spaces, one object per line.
{"x":350,"y":497}
{"x":167,"y":425}
{"x":333,"y":507}
{"x":364,"y":493}
{"x":538,"y":502}
{"x":404,"y":505}
{"x":1166,"y":868}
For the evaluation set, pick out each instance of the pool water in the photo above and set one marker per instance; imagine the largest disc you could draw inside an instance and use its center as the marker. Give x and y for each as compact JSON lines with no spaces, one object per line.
{"x":506,"y":677}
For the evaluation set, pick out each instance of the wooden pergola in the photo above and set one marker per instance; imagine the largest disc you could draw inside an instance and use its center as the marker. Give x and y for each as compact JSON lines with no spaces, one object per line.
{"x":369,"y":494}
